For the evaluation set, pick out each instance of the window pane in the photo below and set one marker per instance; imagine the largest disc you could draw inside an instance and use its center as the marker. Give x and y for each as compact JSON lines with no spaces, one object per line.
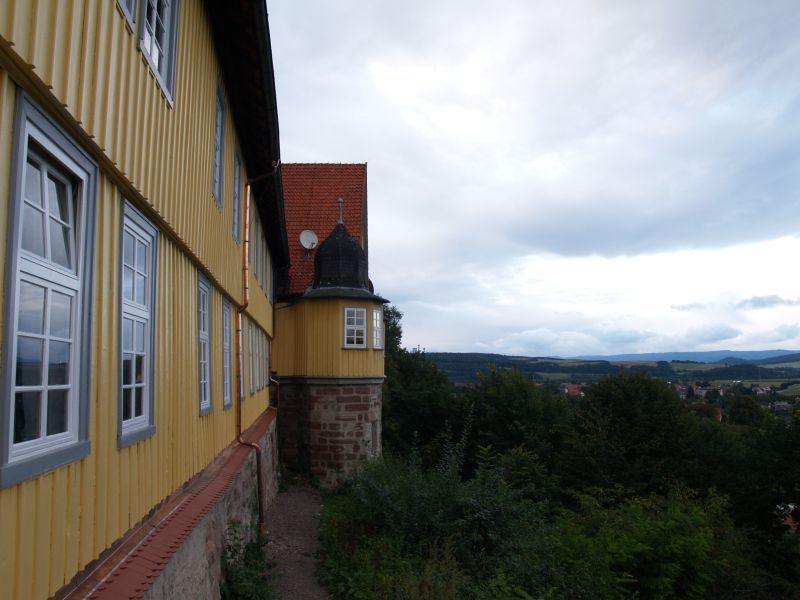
{"x":29,"y":361}
{"x":33,"y":184}
{"x":139,"y":369}
{"x":139,"y":336}
{"x":126,"y":404}
{"x":139,"y":408}
{"x":60,"y":250}
{"x":127,"y":283}
{"x":127,"y":248}
{"x":127,"y":334}
{"x":127,"y":369}
{"x":26,"y":416}
{"x":57,"y":197}
{"x":60,"y":315}
{"x":141,"y":253}
{"x":57,"y":411}
{"x":31,"y":308}
{"x":139,"y":288}
{"x":58,"y":370}
{"x":32,"y":230}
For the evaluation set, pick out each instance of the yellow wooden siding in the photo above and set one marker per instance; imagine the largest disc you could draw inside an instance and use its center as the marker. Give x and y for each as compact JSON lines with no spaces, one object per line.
{"x":84,"y":51}
{"x":56,"y":523}
{"x":310,"y":340}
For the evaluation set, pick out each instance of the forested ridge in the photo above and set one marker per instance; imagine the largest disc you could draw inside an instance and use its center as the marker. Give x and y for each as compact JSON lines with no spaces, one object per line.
{"x":506,"y":489}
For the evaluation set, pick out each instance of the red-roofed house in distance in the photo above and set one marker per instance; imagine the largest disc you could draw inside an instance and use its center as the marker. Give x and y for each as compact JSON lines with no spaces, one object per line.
{"x":329,"y":354}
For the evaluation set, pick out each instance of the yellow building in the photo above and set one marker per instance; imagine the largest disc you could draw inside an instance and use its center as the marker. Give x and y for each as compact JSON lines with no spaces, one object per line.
{"x":142,"y":213}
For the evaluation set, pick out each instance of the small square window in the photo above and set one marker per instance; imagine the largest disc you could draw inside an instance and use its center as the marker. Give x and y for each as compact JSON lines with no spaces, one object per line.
{"x":355,"y":327}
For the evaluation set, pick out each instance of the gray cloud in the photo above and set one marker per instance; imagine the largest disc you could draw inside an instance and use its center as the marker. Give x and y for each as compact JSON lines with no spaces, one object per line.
{"x":688,"y":307}
{"x":708,"y":334}
{"x":491,"y":135}
{"x":767,"y":302}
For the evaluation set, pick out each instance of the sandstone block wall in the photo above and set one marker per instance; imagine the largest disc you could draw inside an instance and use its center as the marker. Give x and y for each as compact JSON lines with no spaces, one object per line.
{"x":326,"y":429}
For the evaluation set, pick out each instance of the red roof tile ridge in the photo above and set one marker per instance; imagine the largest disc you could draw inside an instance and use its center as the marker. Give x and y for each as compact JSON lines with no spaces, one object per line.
{"x":324,"y":164}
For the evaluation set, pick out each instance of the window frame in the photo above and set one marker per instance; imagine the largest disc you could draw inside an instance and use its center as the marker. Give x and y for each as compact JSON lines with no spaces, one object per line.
{"x":377,"y":328}
{"x":356,"y":328}
{"x":130,"y":15}
{"x":237,"y":198}
{"x":218,"y":162}
{"x":165,"y":80}
{"x":227,"y":347}
{"x":250,"y":353}
{"x":138,"y":428}
{"x":32,"y":124}
{"x":206,"y":401}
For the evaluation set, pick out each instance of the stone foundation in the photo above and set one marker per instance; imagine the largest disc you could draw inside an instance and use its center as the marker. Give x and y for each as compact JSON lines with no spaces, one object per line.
{"x":327,"y":426}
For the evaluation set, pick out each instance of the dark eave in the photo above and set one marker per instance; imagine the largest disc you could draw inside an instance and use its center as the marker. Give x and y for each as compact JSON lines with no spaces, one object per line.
{"x":241,"y":37}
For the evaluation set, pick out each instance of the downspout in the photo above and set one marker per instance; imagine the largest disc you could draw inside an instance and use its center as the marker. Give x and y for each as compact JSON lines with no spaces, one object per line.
{"x":240,"y":360}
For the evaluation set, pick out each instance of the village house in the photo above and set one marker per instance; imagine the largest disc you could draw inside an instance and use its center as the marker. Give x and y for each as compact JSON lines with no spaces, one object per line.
{"x":151,"y":301}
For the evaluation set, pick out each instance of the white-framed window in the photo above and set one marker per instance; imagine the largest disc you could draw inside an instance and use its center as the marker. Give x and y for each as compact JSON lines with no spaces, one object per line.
{"x":204,"y":343}
{"x":266,"y":360}
{"x":47,"y":331}
{"x":377,"y":328}
{"x":237,"y":196}
{"x":219,"y":146}
{"x":157,"y":39}
{"x":257,"y":357}
{"x":250,"y":354}
{"x":227,"y":386}
{"x":137,"y":301}
{"x":355,"y":327}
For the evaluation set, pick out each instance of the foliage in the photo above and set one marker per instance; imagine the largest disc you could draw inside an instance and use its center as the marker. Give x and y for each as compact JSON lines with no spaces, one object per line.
{"x":628,"y":493}
{"x":246,"y":572}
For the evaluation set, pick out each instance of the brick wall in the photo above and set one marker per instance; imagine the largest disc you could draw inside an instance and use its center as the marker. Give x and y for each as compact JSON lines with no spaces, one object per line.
{"x":326,"y":429}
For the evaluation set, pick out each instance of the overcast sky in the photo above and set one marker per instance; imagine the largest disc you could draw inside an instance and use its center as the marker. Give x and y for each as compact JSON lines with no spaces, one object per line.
{"x":562,"y":178}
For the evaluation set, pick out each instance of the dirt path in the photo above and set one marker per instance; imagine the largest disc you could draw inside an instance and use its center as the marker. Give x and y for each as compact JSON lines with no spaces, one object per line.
{"x":293,"y":529}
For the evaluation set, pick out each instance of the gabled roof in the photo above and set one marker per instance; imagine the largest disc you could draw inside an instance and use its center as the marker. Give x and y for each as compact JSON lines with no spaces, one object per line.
{"x":310,"y":192}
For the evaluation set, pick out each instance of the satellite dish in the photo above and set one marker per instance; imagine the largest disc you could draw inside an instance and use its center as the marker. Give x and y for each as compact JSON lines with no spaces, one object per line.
{"x":308,"y":239}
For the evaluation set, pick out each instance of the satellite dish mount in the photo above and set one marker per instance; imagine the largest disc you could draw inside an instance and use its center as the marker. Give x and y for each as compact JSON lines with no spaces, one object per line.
{"x":308,"y":240}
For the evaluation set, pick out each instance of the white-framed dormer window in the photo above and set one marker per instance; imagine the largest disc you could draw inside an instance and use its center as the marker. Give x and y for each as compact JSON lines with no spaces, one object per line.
{"x":204,"y":343}
{"x":219,"y":146}
{"x":355,"y":327}
{"x":377,"y":328}
{"x":137,"y":282}
{"x":237,"y":196}
{"x":158,"y":25}
{"x":227,"y":386}
{"x":48,"y":283}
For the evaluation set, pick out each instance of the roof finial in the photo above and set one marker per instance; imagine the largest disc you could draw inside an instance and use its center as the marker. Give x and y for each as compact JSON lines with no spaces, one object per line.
{"x":341,"y":204}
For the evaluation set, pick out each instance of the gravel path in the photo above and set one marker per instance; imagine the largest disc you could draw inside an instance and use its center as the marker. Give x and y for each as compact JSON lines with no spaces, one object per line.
{"x":293,"y":531}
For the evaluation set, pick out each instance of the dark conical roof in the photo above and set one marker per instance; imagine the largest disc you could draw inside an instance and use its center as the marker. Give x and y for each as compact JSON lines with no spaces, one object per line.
{"x":340,"y":268}
{"x":340,"y":262}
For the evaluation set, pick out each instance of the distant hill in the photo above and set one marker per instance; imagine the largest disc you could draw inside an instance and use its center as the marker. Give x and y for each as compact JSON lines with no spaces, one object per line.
{"x":463,"y":367}
{"x":706,"y":357}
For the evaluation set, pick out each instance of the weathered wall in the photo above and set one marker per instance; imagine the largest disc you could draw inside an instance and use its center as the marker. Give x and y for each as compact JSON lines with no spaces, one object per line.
{"x":326,"y":429}
{"x":195,"y":569}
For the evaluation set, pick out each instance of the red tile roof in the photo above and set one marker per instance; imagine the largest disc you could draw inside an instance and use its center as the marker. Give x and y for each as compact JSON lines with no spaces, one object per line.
{"x":310,"y":191}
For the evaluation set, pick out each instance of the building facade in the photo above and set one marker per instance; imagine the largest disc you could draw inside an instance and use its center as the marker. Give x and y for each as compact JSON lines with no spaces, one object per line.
{"x":139,"y":163}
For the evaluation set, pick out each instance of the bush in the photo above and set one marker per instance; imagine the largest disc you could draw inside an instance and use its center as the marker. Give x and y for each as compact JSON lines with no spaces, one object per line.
{"x":246,"y":572}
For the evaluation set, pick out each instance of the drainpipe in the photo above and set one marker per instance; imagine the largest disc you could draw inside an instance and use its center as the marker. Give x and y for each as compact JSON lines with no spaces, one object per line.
{"x":240,"y":360}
